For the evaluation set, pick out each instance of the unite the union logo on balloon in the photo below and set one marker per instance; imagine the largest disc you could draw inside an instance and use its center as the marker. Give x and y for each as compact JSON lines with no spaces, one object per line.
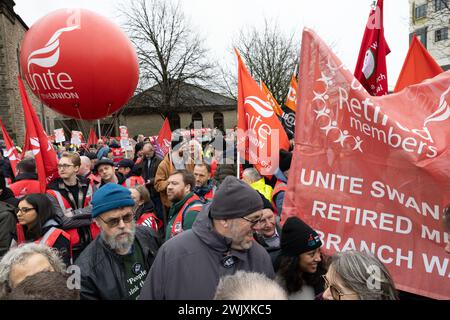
{"x":84,"y":69}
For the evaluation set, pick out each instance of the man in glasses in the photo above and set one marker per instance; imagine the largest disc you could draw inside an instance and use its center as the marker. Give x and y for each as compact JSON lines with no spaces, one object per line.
{"x":115,"y":264}
{"x":269,"y":233}
{"x":71,"y":196}
{"x":220,"y":243}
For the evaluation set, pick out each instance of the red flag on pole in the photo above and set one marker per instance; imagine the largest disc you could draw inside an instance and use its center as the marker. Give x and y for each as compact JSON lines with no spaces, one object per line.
{"x":38,"y":142}
{"x":372,"y":173}
{"x":165,"y":137}
{"x":418,"y":66}
{"x":11,"y":151}
{"x":92,"y":137}
{"x":371,"y":66}
{"x":260,"y":134}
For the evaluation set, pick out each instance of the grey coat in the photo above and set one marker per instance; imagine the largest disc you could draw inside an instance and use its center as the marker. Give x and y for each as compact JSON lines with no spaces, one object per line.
{"x":189,"y":266}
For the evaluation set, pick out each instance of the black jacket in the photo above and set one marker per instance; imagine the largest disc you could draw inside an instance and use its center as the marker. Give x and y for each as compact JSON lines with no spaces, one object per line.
{"x":8,"y":196}
{"x":102,"y":274}
{"x":7,"y":226}
{"x":149,"y":172}
{"x":58,"y":185}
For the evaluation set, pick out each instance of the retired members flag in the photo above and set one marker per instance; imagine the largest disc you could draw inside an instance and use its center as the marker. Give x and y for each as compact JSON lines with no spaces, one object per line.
{"x":371,"y":66}
{"x":372,"y":173}
{"x":260,"y":133}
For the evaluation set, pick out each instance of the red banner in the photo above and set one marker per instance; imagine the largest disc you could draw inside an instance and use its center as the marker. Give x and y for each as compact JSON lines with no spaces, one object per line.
{"x":36,"y":140}
{"x":372,"y":173}
{"x":11,"y":151}
{"x":418,"y":66}
{"x":92,"y":140}
{"x":165,"y":137}
{"x":260,"y":134}
{"x":371,"y":65}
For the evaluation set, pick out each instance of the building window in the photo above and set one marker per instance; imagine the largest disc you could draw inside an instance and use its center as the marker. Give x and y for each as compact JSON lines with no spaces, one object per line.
{"x":440,"y":4}
{"x":218,"y":121}
{"x":174,"y":121}
{"x":197,"y":117}
{"x":441,"y":34}
{"x":421,"y":11}
{"x":421,"y":34}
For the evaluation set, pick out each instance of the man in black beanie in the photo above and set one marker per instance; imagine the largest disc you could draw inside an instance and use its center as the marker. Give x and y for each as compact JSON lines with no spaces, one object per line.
{"x":189,"y":266}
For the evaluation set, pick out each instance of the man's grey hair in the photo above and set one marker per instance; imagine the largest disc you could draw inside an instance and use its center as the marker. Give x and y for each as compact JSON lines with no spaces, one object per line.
{"x":365,"y":274}
{"x":249,"y":286}
{"x":20,"y":255}
{"x":251,"y":175}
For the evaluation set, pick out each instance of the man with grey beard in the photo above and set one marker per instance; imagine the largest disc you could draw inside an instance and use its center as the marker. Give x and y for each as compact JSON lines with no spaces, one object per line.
{"x":115,"y":265}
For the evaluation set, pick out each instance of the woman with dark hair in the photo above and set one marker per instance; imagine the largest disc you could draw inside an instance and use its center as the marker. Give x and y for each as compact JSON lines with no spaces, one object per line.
{"x":37,"y":222}
{"x":300,"y":265}
{"x":446,"y":222}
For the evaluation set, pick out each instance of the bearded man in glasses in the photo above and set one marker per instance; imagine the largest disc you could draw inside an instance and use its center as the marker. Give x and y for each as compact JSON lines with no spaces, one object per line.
{"x":115,"y":265}
{"x":220,"y":242}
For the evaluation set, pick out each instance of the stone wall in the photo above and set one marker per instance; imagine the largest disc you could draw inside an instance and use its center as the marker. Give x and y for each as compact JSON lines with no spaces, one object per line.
{"x":11,"y":111}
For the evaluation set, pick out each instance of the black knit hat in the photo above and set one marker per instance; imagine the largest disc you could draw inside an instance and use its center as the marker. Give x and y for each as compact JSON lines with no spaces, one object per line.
{"x":297,"y":238}
{"x":234,"y":199}
{"x":285,"y":160}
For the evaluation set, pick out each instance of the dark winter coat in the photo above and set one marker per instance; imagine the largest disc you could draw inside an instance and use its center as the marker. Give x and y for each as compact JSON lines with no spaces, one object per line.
{"x":102,"y":274}
{"x":189,"y":266}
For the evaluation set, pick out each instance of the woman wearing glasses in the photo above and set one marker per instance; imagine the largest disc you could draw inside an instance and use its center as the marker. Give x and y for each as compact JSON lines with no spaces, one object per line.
{"x":300,"y":265}
{"x":38,"y":223}
{"x":355,"y":275}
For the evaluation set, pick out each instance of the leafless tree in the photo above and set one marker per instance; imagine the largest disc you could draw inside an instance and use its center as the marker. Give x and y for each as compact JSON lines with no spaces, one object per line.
{"x":170,"y":52}
{"x":270,"y":55}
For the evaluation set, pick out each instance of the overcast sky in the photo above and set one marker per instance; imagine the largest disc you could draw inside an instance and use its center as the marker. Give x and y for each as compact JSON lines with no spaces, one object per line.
{"x":339,"y":22}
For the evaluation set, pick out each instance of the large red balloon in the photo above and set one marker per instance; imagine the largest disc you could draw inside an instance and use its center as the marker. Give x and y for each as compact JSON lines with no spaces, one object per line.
{"x":79,"y":63}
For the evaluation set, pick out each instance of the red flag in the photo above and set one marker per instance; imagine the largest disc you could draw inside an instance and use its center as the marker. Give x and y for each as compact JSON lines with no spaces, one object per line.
{"x":165,"y":137}
{"x":372,"y":173}
{"x":92,"y":137}
{"x":260,"y":133}
{"x":371,"y":66}
{"x":291,"y":99}
{"x":11,"y":151}
{"x":38,"y":142}
{"x":418,"y":66}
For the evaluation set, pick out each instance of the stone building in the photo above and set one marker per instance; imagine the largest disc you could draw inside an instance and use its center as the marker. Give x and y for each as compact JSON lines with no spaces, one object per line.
{"x":143,"y":115}
{"x":12,"y":30}
{"x":430,"y":20}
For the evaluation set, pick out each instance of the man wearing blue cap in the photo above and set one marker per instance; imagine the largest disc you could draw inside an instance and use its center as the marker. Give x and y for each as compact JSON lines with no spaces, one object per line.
{"x":115,"y":265}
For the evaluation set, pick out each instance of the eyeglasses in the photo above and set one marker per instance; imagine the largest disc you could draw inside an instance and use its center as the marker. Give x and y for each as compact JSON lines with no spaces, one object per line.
{"x":114,"y":222}
{"x":65,"y":166}
{"x":252,"y":222}
{"x":24,"y":210}
{"x":335,"y":292}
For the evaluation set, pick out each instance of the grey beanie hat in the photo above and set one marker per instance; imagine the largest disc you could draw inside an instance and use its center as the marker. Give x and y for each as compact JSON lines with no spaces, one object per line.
{"x":234,"y":199}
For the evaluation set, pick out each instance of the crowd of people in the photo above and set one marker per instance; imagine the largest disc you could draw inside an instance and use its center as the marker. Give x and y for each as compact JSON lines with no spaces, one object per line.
{"x":144,"y":225}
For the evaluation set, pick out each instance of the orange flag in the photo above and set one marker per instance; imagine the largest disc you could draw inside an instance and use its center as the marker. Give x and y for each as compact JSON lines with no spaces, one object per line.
{"x":260,"y":133}
{"x":291,"y":100}
{"x":418,"y":66}
{"x":276,"y":107}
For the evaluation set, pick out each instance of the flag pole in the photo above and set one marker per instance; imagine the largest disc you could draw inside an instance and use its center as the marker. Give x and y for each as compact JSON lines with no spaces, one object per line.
{"x":99,"y":129}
